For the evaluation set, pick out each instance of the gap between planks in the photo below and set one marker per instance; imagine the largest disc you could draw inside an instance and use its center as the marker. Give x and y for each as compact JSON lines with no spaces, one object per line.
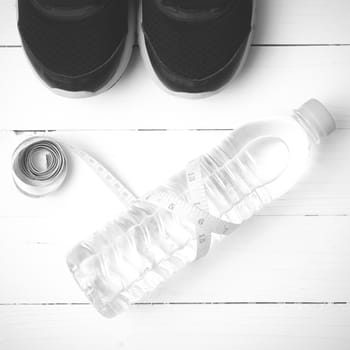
{"x":24,"y":131}
{"x":253,"y":45}
{"x":262,"y":303}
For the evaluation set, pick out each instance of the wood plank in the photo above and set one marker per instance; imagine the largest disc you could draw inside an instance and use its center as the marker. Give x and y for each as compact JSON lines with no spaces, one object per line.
{"x":275,"y":81}
{"x":8,"y":23}
{"x":174,"y":327}
{"x":277,"y":22}
{"x":136,"y":158}
{"x":270,"y":259}
{"x":280,"y":256}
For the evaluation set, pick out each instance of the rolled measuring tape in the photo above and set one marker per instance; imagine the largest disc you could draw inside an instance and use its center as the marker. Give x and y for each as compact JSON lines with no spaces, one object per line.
{"x":40,"y":167}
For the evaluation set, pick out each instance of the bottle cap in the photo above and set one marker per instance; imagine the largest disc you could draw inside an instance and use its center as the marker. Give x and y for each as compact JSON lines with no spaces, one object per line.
{"x":316,"y":118}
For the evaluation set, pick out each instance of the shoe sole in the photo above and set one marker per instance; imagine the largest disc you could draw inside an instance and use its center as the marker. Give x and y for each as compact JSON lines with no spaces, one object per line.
{"x":189,"y":95}
{"x":124,"y":62}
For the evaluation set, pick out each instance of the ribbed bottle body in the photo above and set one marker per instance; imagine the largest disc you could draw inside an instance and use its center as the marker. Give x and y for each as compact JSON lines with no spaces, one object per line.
{"x":146,"y":245}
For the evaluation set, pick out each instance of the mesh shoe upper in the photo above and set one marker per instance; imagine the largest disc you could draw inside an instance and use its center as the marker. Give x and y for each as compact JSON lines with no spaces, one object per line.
{"x":72,"y":37}
{"x":195,"y":39}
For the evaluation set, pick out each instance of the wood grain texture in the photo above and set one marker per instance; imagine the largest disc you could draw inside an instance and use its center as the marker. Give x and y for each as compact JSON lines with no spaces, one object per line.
{"x":285,"y":254}
{"x":140,"y":161}
{"x":279,"y":259}
{"x":225,"y":327}
{"x":275,"y":81}
{"x":280,"y":282}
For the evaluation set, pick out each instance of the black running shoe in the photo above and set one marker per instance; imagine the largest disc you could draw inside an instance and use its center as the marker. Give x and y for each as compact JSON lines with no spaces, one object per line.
{"x":195,"y":46}
{"x":78,"y":47}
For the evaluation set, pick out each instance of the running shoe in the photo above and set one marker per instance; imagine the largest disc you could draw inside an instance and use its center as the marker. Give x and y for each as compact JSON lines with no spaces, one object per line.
{"x":78,"y":47}
{"x":195,"y":46}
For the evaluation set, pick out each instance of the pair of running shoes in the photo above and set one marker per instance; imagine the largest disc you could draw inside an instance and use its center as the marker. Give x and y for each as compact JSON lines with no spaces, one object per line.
{"x":82,"y":47}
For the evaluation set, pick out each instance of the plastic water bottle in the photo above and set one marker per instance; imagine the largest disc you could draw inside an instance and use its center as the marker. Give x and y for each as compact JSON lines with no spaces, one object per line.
{"x":145,"y":246}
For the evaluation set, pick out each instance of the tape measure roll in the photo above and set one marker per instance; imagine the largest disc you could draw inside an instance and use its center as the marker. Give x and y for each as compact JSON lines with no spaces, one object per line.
{"x":39,"y":166}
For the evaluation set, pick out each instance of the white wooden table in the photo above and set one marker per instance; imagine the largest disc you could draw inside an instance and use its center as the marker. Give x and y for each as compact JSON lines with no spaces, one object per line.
{"x":281,"y":282}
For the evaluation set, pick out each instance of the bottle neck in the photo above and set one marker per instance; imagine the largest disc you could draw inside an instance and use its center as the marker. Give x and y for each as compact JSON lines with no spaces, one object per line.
{"x":312,"y":133}
{"x":315,"y":119}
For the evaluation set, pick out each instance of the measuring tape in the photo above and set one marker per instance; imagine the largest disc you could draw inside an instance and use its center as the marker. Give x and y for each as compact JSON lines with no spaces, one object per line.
{"x":199,"y":198}
{"x":35,"y":179}
{"x":38,"y":180}
{"x":40,"y":167}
